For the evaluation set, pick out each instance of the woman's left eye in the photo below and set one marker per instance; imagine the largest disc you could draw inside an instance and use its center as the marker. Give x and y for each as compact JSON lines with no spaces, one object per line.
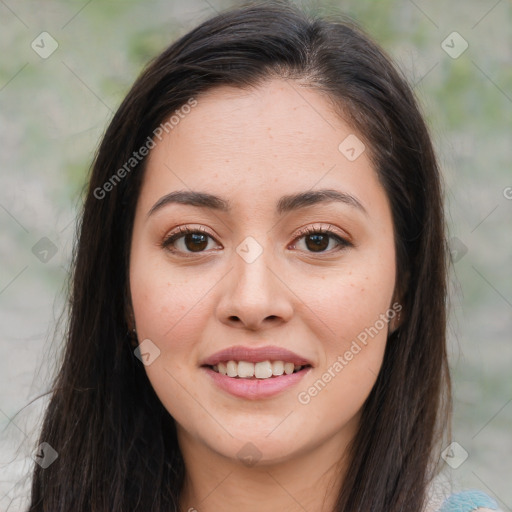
{"x":317,"y":240}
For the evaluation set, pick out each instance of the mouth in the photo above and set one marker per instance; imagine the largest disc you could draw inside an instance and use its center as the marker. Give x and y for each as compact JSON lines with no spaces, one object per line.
{"x":261,"y":370}
{"x":256,"y":373}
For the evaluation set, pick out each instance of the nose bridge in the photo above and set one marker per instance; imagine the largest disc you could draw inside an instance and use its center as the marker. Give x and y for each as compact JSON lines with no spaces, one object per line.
{"x":254,"y":294}
{"x":252,"y":266}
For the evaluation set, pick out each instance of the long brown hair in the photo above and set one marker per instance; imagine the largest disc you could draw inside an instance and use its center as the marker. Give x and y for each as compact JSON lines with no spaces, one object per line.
{"x":116,"y":443}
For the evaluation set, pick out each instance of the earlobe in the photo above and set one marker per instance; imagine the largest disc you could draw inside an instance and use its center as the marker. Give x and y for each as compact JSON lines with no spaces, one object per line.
{"x":131,"y":331}
{"x":397,"y":320}
{"x":397,"y":314}
{"x":129,"y":318}
{"x":397,"y":304}
{"x":130,"y":323}
{"x":132,"y":335}
{"x":128,"y":311}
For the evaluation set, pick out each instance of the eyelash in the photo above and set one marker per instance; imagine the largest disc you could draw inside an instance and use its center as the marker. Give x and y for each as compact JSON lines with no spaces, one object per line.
{"x":309,"y":230}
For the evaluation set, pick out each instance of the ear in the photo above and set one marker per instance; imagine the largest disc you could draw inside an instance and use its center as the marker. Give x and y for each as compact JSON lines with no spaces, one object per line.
{"x":128,"y":312}
{"x":399,"y":316}
{"x":398,"y":303}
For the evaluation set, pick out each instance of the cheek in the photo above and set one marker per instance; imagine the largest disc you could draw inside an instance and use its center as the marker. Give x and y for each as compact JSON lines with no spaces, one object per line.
{"x":348,"y":315}
{"x":164,"y":298}
{"x":354,"y":337}
{"x":170,"y":316}
{"x":169,"y":310}
{"x":347,"y":304}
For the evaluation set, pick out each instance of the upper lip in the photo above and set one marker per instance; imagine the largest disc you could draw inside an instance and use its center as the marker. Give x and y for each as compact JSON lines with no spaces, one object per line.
{"x":255,"y":355}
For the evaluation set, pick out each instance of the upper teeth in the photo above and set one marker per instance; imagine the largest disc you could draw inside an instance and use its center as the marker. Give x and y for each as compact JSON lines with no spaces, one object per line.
{"x":262,"y":370}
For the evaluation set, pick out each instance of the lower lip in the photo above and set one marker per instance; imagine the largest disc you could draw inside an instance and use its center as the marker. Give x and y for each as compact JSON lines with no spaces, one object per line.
{"x":254,"y":389}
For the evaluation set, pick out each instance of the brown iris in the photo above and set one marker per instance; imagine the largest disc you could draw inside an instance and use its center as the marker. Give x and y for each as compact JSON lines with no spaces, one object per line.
{"x":198,"y":241}
{"x":319,"y":242}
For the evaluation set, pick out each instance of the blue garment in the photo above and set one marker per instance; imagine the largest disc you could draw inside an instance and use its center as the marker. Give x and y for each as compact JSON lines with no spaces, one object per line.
{"x":468,"y":501}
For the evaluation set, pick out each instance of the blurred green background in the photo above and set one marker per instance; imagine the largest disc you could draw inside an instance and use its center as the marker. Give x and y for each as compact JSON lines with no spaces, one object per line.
{"x":55,"y":108}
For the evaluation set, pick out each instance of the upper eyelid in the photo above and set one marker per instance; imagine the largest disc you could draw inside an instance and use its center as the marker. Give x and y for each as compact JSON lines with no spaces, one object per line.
{"x":304,"y":231}
{"x":300,"y":232}
{"x":313,"y":228}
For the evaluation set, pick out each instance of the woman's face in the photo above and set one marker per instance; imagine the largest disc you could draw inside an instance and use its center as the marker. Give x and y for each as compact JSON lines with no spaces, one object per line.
{"x":257,"y":276}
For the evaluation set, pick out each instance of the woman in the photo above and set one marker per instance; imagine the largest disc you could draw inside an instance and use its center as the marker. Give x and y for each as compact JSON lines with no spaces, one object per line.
{"x":258,"y":304}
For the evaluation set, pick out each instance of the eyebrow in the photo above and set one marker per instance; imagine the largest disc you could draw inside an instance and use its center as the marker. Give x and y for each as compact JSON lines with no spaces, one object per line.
{"x":285,"y":204}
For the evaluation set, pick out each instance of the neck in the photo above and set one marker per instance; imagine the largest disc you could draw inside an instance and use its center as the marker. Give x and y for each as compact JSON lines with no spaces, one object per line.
{"x":310,"y":481}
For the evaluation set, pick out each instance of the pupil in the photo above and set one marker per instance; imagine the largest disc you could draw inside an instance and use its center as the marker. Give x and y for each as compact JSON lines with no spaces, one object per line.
{"x":320,"y":242}
{"x":196,"y":237}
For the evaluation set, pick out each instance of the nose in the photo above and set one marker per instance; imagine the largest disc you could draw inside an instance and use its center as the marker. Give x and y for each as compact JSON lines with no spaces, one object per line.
{"x":255,"y":296}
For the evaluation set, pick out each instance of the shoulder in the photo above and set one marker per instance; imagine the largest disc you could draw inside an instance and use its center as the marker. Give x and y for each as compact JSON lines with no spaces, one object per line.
{"x":444,"y":496}
{"x":469,"y":501}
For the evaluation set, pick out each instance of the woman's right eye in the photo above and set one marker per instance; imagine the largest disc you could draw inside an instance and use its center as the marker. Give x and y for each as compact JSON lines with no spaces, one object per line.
{"x":187,"y":240}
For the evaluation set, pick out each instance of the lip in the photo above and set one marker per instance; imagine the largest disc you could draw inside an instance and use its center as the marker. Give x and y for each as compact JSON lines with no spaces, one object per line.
{"x":255,"y":355}
{"x":254,"y":389}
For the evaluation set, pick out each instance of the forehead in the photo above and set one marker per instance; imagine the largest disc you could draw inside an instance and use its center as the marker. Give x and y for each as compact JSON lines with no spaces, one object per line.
{"x":268,"y":116}
{"x":258,"y":143}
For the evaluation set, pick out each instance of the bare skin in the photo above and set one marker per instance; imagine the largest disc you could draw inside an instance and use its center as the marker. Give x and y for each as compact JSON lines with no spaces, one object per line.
{"x":252,"y":147}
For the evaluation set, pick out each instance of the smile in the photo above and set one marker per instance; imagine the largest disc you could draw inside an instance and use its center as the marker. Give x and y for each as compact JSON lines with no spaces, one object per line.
{"x":255,"y":388}
{"x":259,"y":370}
